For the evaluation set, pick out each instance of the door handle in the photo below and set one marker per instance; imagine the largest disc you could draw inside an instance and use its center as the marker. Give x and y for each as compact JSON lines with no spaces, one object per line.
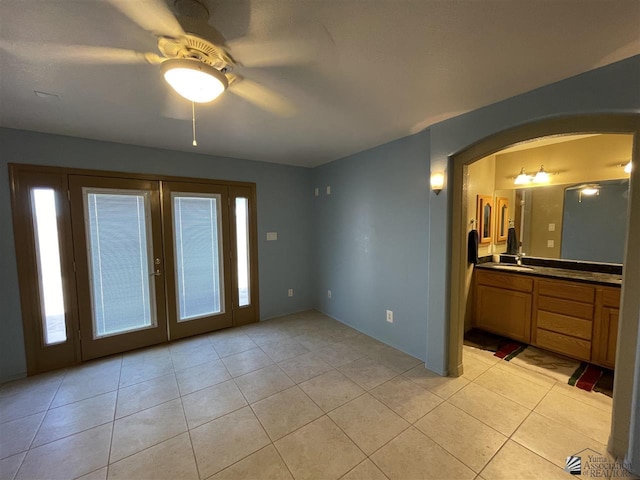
{"x":157,"y":273}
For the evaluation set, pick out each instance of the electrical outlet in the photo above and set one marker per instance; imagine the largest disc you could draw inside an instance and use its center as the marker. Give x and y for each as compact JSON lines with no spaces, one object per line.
{"x":550,"y":243}
{"x":328,"y":293}
{"x":290,"y":292}
{"x":389,"y":316}
{"x":552,"y":227}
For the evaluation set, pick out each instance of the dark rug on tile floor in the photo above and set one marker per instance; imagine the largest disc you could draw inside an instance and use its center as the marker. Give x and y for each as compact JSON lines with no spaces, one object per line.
{"x":579,"y":374}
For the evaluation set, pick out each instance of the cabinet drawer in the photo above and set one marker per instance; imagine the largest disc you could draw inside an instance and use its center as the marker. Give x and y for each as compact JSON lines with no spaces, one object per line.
{"x":566,"y":307}
{"x":564,"y":324}
{"x":566,"y":290}
{"x":611,"y":297}
{"x":504,"y":280}
{"x":557,"y":342}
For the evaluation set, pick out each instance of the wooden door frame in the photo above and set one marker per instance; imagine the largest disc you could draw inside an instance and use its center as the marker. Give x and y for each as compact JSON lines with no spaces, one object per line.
{"x":40,"y":357}
{"x":245,"y":315}
{"x":26,"y":267}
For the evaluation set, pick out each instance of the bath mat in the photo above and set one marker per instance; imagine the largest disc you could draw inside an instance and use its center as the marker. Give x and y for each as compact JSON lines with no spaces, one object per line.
{"x":510,"y":350}
{"x":563,"y":369}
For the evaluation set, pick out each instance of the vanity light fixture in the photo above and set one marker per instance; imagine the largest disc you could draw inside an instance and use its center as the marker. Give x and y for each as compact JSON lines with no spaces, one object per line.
{"x":589,"y":191}
{"x":628,"y":167}
{"x":437,"y":182}
{"x":541,"y":176}
{"x":522,"y":178}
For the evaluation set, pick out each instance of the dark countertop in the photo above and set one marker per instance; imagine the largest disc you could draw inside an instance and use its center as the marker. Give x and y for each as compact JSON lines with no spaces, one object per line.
{"x":608,"y":279}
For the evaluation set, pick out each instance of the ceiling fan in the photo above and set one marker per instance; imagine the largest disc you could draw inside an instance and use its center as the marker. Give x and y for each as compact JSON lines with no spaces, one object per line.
{"x":195,"y":59}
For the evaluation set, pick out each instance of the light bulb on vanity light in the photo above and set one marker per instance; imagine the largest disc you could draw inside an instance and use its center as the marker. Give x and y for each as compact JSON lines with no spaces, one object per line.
{"x":627,"y":168}
{"x":541,"y":176}
{"x":522,"y":178}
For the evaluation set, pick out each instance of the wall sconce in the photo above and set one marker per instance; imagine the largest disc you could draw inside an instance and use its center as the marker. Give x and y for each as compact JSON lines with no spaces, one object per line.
{"x":437,"y":182}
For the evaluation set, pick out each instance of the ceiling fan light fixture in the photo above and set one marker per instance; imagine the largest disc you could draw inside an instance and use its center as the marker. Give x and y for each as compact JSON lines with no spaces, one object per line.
{"x":194,"y":80}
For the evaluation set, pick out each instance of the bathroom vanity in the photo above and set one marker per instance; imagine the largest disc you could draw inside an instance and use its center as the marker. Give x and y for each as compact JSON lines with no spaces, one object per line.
{"x":571,"y":312}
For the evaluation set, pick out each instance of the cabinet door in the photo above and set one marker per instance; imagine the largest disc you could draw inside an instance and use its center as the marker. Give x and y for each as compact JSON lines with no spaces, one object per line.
{"x":609,"y":336}
{"x":504,"y":312}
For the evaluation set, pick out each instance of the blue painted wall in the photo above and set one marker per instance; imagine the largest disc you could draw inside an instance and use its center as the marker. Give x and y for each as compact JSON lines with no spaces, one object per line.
{"x":595,"y":227}
{"x":380,"y":242}
{"x":369,"y":239}
{"x":284,"y":206}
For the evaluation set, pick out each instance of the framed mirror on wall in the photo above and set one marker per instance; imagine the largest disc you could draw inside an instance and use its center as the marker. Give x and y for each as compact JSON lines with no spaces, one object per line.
{"x":484,"y":218}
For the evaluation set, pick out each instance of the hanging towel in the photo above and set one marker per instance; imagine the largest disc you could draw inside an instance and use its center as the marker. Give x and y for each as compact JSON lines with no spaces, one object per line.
{"x":512,"y":242}
{"x":472,"y":247}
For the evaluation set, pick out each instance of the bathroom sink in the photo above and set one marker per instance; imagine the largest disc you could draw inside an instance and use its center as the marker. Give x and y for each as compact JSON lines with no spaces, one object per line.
{"x":514,"y":268}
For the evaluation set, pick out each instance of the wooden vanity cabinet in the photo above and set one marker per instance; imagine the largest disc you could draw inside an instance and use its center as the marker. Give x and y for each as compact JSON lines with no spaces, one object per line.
{"x":575,"y":319}
{"x":503,"y":304}
{"x":605,"y":331}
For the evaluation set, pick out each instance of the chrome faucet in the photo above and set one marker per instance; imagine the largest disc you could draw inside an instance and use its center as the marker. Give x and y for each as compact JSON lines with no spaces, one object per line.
{"x":519,"y":258}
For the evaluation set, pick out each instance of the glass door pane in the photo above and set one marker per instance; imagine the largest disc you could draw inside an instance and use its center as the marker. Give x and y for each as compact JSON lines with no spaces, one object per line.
{"x":120,"y":260}
{"x":197,"y":252}
{"x":242,"y":249}
{"x":45,"y":219}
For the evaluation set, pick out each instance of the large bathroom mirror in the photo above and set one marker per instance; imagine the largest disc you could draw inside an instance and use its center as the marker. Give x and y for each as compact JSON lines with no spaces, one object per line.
{"x":586,"y":221}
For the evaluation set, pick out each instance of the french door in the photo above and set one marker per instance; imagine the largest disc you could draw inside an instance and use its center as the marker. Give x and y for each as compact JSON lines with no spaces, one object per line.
{"x":196,"y":239}
{"x":109,"y":263}
{"x":117,"y":239}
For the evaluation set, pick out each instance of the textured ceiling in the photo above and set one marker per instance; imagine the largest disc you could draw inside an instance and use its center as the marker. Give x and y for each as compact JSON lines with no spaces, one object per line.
{"x":365,"y":72}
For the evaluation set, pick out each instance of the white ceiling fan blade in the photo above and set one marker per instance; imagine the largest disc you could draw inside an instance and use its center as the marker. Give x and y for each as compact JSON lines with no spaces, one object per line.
{"x":266,"y":53}
{"x":152,"y":15}
{"x":308,"y":43}
{"x":263,"y":97}
{"x":33,"y":52}
{"x":176,"y":107}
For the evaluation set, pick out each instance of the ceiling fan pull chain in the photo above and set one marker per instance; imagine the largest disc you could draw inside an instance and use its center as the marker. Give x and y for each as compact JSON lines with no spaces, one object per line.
{"x":193,"y":122}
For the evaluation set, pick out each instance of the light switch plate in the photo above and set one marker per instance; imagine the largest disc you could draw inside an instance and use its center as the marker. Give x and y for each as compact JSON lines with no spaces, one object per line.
{"x":316,"y":191}
{"x":328,"y":189}
{"x":552,"y":227}
{"x":272,"y":236}
{"x":550,"y":243}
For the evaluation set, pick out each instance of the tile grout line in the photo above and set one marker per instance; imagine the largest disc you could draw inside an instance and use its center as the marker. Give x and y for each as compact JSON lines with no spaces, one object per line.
{"x":113,"y":424}
{"x":510,"y":437}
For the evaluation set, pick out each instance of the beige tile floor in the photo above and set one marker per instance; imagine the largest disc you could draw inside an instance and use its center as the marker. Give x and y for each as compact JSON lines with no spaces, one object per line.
{"x":301,"y":397}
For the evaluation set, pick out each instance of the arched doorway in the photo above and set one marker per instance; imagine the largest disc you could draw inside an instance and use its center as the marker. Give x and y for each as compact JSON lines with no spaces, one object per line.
{"x":630,"y":306}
